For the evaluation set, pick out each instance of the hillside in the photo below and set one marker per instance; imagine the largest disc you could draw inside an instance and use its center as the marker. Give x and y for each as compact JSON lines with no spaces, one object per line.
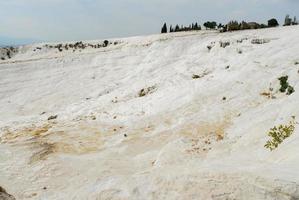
{"x":172,"y":116}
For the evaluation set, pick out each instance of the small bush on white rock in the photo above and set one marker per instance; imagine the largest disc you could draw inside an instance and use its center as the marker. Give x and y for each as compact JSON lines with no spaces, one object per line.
{"x":279,"y":133}
{"x":284,"y":86}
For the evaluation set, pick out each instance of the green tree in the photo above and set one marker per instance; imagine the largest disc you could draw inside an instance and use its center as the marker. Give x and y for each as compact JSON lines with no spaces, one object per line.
{"x":233,"y":26}
{"x":272,"y":23}
{"x":210,"y":25}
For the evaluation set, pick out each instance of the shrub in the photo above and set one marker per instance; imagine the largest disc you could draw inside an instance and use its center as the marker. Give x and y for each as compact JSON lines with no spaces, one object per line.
{"x":106,"y":42}
{"x":279,"y":134}
{"x":291,"y":90}
{"x":283,"y":83}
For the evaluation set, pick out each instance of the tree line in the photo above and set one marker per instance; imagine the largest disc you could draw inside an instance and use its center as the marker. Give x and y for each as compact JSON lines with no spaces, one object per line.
{"x":230,"y":26}
{"x":177,"y":28}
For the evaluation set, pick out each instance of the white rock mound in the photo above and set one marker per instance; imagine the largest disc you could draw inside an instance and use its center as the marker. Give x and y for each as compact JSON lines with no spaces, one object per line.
{"x":172,"y":116}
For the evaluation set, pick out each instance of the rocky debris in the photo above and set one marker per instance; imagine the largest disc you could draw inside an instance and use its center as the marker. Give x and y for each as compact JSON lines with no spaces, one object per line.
{"x":115,"y":100}
{"x":52,"y":117}
{"x":224,"y":44}
{"x":145,"y":91}
{"x":4,"y":195}
{"x":209,"y":47}
{"x":37,"y":48}
{"x":7,"y":52}
{"x":259,"y":41}
{"x":239,"y":51}
{"x":241,"y":40}
{"x":195,"y":76}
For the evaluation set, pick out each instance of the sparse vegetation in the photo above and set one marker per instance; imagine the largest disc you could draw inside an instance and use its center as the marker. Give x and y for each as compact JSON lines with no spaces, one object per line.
{"x":279,"y":133}
{"x":8,"y":52}
{"x":78,"y":46}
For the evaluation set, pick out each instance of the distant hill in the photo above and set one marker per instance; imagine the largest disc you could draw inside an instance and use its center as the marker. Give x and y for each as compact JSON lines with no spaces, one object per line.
{"x":11,"y":41}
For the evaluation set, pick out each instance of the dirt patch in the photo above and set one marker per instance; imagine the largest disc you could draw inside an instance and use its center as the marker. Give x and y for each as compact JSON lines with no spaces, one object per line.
{"x":203,"y":129}
{"x":204,"y":136}
{"x":13,"y":136}
{"x":51,"y":139}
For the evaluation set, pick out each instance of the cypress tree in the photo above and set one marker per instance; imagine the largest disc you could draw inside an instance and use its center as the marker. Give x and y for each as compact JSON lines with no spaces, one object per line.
{"x":164,"y":28}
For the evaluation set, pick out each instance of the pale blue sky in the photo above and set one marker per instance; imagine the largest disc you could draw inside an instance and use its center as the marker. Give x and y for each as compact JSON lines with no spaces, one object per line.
{"x":56,"y":20}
